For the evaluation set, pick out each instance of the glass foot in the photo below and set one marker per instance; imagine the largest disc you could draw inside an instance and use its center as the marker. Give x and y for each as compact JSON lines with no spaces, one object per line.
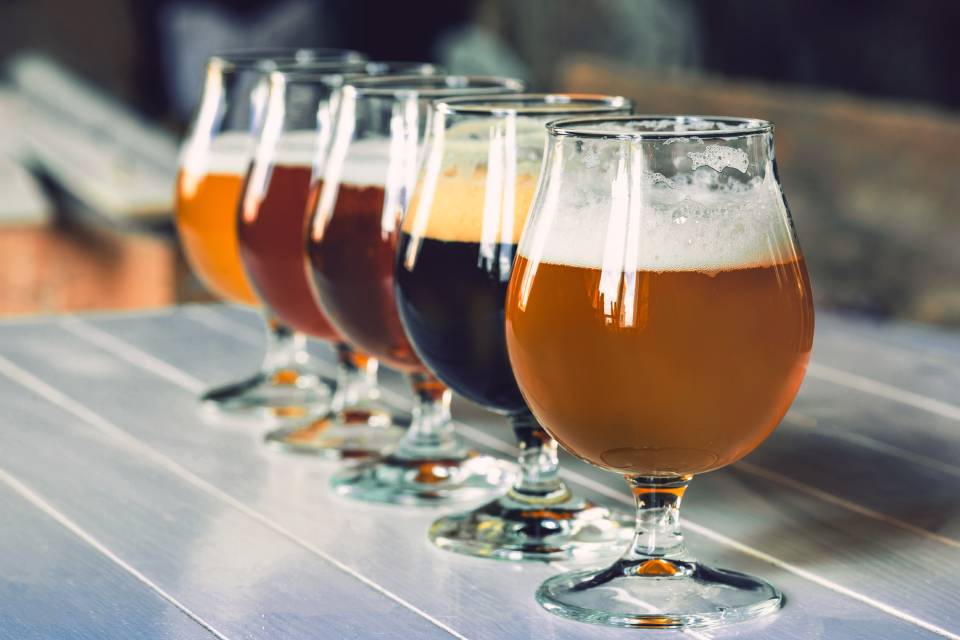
{"x":357,"y":432}
{"x":397,"y":480}
{"x":284,"y":394}
{"x":658,"y":593}
{"x":514,"y":527}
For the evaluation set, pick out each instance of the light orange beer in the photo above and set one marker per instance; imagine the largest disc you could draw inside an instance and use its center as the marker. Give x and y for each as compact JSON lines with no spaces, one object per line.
{"x":659,"y":373}
{"x":206,"y":212}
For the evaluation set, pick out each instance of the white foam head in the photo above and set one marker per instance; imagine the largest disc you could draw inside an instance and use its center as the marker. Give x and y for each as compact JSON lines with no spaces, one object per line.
{"x":297,"y":148}
{"x":643,"y":221}
{"x":367,"y":163}
{"x":228,"y":153}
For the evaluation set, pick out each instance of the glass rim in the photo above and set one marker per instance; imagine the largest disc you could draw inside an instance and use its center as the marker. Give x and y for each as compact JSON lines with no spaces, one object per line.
{"x":391,"y":85}
{"x":724,"y":127}
{"x":257,"y":58}
{"x":339,"y":71}
{"x":540,"y":104}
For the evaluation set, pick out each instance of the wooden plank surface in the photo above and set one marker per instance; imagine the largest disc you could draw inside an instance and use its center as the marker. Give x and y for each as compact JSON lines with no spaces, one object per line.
{"x":56,"y":584}
{"x":836,"y":521}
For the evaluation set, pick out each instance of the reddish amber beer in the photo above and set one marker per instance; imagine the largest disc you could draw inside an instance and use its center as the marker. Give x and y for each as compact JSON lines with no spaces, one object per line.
{"x":353,"y":272}
{"x":273,"y":238}
{"x":369,"y":174}
{"x":290,"y":154}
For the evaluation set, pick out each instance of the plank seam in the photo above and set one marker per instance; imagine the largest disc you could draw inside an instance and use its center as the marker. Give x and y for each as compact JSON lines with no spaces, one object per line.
{"x":240,"y":332}
{"x":825,"y":496}
{"x":483,"y":438}
{"x":63,"y":520}
{"x":883,"y":390}
{"x":55,"y":397}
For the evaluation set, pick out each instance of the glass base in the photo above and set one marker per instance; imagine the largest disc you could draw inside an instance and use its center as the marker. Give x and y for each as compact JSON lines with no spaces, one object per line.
{"x":396,"y":480}
{"x":658,"y":593}
{"x":361,"y":431}
{"x":514,"y":527}
{"x":285,"y":394}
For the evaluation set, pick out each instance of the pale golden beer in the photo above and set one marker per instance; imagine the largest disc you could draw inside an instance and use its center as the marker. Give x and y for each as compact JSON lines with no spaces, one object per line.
{"x":206,"y":207}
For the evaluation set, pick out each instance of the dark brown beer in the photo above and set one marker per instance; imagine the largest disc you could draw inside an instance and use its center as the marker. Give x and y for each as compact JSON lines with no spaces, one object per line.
{"x":352,"y":266}
{"x":272,"y":236}
{"x":452,"y":284}
{"x":659,"y":372}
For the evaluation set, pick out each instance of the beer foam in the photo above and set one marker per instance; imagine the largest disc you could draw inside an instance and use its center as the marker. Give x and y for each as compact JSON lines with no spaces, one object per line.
{"x":472,"y":209}
{"x":474,"y":144}
{"x":485,"y":180}
{"x":297,"y":148}
{"x":228,"y":153}
{"x":367,"y":163}
{"x":675,"y":229}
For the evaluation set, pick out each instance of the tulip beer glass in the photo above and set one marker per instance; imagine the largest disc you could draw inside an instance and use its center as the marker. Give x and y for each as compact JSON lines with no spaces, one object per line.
{"x":659,"y":322}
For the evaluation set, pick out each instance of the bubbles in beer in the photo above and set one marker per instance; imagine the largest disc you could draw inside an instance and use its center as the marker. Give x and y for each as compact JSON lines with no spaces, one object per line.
{"x":691,"y":221}
{"x":719,"y":157}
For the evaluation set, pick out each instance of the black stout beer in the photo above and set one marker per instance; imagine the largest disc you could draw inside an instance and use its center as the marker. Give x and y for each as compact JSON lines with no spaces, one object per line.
{"x":451,"y":282}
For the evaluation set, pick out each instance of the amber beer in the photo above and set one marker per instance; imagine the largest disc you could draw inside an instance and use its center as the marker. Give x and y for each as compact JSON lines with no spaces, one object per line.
{"x":660,"y":372}
{"x":272,"y":238}
{"x":207,"y":198}
{"x":352,"y":264}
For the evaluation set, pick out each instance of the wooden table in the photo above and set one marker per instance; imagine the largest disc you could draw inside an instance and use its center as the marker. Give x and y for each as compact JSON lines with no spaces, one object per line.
{"x":125,"y":516}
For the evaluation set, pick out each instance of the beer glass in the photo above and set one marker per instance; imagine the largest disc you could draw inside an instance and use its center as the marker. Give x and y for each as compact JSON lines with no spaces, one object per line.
{"x":455,"y":255}
{"x":659,"y":323}
{"x":272,"y":241}
{"x":213,"y":162}
{"x":371,"y":170}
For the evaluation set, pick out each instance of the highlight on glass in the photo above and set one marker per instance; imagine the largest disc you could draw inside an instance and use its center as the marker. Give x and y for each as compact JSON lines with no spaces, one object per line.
{"x":370,"y":172}
{"x":215,"y":157}
{"x":659,"y":322}
{"x":290,"y":154}
{"x":456,"y":252}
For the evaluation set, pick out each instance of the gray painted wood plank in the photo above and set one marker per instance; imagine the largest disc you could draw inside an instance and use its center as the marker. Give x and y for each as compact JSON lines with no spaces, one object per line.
{"x":169,"y":339}
{"x":54,"y":585}
{"x":913,"y":338}
{"x":837,"y":412}
{"x":388,"y":543}
{"x":831,"y":431}
{"x":893,"y":355}
{"x":859,"y":483}
{"x":242,"y":577}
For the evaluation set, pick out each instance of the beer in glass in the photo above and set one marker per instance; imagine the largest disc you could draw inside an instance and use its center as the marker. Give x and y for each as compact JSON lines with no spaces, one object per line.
{"x":456,"y":252}
{"x":370,"y":172}
{"x":659,"y":323}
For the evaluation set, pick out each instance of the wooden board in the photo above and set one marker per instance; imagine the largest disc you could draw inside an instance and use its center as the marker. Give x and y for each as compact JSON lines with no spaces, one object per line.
{"x":100,"y":417}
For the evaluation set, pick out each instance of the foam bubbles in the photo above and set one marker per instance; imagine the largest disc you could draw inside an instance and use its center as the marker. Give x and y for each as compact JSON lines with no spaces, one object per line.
{"x":474,"y":144}
{"x":472,"y":209}
{"x":367,"y":163}
{"x":228,"y":153}
{"x":719,"y":157}
{"x":690,"y":228}
{"x":297,"y":148}
{"x":482,"y":183}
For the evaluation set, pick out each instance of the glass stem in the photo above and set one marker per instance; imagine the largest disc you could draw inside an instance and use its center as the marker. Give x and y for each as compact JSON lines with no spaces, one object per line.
{"x":430,"y":435}
{"x":286,"y":349}
{"x":657,"y":548}
{"x":356,"y":377}
{"x":539,"y":478}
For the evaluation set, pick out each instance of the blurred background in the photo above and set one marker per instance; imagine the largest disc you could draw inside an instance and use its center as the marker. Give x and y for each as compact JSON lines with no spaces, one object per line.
{"x":95,"y":96}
